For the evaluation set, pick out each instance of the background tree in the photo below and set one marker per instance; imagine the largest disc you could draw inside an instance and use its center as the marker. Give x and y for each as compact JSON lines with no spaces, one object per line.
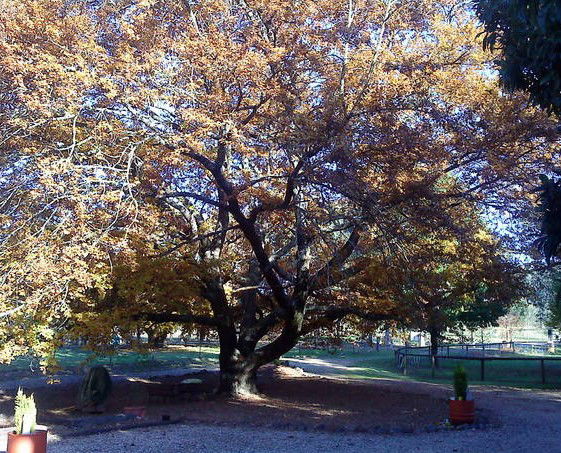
{"x":449,"y":279}
{"x":269,"y":147}
{"x":528,"y":35}
{"x":512,"y":321}
{"x":553,"y":303}
{"x":550,"y":208}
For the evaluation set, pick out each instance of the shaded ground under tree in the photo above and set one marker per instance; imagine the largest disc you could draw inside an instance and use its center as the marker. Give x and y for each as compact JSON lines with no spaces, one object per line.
{"x":291,"y":399}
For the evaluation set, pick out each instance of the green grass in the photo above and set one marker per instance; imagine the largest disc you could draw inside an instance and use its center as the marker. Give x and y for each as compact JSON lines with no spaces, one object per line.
{"x":335,"y":354}
{"x":70,"y":360}
{"x":381,"y":365}
{"x":514,"y":373}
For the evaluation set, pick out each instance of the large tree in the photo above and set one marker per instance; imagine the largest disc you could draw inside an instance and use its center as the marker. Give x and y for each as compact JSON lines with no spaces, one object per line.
{"x":264,"y":148}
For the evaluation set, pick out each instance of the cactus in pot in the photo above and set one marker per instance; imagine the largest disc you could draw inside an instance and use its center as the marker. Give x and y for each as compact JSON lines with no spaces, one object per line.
{"x":25,"y":416}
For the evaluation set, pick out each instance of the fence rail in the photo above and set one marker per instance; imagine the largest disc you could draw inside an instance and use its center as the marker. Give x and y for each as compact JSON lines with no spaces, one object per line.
{"x":408,"y":357}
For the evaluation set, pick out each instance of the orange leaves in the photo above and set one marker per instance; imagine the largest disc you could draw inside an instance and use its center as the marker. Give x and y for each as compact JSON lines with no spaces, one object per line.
{"x":42,"y":51}
{"x":379,"y":114}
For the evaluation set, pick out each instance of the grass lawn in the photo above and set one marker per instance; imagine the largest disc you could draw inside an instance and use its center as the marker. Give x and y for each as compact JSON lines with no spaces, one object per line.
{"x":376,"y":365}
{"x":70,"y":360}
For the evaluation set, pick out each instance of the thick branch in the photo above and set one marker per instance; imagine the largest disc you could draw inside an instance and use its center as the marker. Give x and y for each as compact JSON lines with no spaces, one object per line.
{"x":193,"y":195}
{"x":338,"y":259}
{"x":288,"y":195}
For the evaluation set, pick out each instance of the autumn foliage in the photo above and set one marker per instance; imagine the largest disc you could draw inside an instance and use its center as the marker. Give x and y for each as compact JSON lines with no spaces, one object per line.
{"x":258,"y":167}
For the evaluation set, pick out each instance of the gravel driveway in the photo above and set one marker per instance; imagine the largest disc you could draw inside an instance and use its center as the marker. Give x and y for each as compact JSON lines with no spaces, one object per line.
{"x":181,"y":438}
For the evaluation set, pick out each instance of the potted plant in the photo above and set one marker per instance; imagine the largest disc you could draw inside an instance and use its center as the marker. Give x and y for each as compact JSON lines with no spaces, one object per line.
{"x":26,"y":438}
{"x":462,"y":409}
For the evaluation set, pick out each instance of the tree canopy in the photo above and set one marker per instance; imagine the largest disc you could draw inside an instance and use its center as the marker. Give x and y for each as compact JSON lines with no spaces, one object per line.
{"x":243,"y":162}
{"x":550,"y":209}
{"x":528,"y":35}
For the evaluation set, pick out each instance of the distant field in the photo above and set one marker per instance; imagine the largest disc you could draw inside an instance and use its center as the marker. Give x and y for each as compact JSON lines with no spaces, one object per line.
{"x":523,"y":373}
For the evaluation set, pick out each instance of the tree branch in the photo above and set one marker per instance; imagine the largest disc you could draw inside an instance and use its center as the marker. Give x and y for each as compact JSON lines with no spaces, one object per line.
{"x":193,"y":195}
{"x":338,"y":258}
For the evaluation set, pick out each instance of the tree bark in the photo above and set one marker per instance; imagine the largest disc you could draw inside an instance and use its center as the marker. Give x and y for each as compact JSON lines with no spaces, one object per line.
{"x":238,"y":371}
{"x":238,"y":378}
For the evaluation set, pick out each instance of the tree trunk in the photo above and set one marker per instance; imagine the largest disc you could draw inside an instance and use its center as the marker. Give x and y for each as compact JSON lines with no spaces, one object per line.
{"x":434,"y":340}
{"x":239,"y":379}
{"x":156,"y":340}
{"x":238,"y":371}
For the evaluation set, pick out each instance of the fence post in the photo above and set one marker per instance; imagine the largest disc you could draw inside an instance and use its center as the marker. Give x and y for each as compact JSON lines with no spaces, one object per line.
{"x":482,"y":369}
{"x":448,"y":351}
{"x":405,"y":362}
{"x":543,"y":371}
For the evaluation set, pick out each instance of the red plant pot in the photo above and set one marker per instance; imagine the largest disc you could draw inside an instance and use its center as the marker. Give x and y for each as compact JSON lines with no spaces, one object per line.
{"x":139,"y":411}
{"x":27,"y":443}
{"x":462,"y":411}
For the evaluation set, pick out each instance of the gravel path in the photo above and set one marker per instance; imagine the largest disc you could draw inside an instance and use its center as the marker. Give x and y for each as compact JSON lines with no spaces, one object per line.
{"x":182,"y":438}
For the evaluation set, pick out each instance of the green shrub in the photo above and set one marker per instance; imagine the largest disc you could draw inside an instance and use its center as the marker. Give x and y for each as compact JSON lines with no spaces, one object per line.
{"x":460,"y":382}
{"x":25,"y":416}
{"x":95,"y":388}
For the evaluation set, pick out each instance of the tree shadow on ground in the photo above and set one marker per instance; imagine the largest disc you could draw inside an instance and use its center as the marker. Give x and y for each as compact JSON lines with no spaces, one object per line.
{"x":289,"y":398}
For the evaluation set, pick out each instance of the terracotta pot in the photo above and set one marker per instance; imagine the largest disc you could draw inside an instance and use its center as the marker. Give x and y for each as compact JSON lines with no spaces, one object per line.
{"x":139,"y":411}
{"x":462,"y":411}
{"x":27,"y":443}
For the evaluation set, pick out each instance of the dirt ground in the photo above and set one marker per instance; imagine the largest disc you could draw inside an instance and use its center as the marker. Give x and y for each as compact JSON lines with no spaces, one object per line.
{"x":290,"y":399}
